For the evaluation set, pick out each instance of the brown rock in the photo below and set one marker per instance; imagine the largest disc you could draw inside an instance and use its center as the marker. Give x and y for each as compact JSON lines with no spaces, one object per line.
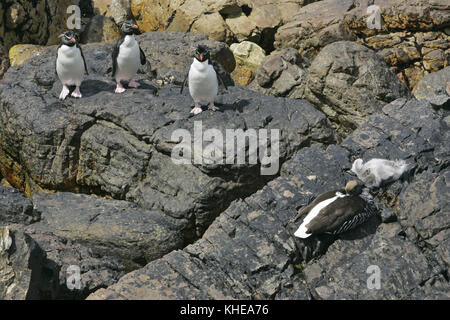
{"x":21,"y":52}
{"x":100,"y":29}
{"x":4,"y":61}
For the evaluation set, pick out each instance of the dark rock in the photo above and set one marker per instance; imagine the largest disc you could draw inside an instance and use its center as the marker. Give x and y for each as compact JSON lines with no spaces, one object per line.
{"x":249,"y":252}
{"x":110,"y":227}
{"x":4,"y":61}
{"x":120,"y":146}
{"x":15,"y":207}
{"x":20,"y":261}
{"x":349,"y":82}
{"x":96,"y":271}
{"x":433,"y":88}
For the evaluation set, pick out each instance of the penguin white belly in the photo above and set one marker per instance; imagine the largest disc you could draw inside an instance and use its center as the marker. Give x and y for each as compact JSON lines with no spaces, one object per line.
{"x":302,"y":231}
{"x":128,"y":60}
{"x":203,"y":85}
{"x":70,"y":65}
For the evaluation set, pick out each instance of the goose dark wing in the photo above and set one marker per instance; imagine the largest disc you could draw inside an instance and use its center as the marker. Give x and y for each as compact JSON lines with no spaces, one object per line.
{"x":84,"y":60}
{"x":316,"y":201}
{"x":115,"y":54}
{"x":333,"y":216}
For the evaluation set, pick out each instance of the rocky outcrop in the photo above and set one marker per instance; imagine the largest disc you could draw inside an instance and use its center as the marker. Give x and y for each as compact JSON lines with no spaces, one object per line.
{"x":120,"y":147}
{"x":20,"y":256}
{"x":35,"y":22}
{"x":15,"y":208}
{"x":4,"y":61}
{"x":249,"y":252}
{"x":229,"y":21}
{"x":36,"y":265}
{"x":349,"y":82}
{"x":281,"y":75}
{"x":249,"y":57}
{"x":19,"y":53}
{"x":100,"y":29}
{"x":435,"y":88}
{"x":412,"y":38}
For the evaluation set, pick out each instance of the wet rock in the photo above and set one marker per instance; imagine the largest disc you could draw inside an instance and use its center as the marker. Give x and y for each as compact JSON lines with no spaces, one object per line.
{"x":349,"y":82}
{"x":433,"y":88}
{"x":15,"y":208}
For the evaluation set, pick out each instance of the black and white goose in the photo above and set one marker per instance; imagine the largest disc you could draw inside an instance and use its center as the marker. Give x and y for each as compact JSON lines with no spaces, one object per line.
{"x":336,"y":211}
{"x":70,"y":64}
{"x":203,"y":80}
{"x":127,"y":57}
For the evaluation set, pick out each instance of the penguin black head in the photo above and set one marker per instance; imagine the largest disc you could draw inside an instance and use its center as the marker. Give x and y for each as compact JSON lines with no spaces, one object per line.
{"x":202,"y":53}
{"x":130,"y":27}
{"x":353,"y":187}
{"x":69,"y":38}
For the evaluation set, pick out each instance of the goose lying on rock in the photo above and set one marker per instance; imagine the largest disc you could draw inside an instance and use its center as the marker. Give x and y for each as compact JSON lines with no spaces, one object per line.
{"x":336,"y":211}
{"x":376,"y":171}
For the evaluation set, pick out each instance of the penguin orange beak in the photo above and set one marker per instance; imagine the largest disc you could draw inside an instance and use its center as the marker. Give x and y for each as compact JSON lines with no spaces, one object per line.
{"x":201,"y":58}
{"x":135,"y":26}
{"x":74,"y":40}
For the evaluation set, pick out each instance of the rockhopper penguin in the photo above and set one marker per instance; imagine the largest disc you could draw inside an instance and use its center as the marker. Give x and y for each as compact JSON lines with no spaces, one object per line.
{"x":127,"y":57}
{"x":203,"y":80}
{"x":70,"y":64}
{"x":337,"y":211}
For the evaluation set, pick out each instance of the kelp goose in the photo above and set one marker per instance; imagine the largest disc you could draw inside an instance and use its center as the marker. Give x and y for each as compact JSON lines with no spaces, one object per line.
{"x":337,"y":211}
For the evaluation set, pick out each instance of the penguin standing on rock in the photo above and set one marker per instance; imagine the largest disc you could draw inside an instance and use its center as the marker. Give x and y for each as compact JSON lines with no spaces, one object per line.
{"x":127,"y":57}
{"x":203,"y":80}
{"x":70,"y":64}
{"x":337,"y":211}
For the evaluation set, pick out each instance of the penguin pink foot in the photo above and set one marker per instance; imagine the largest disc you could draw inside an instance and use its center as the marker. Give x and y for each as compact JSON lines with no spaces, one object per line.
{"x":212,"y":107}
{"x":197,"y":109}
{"x":133,"y":84}
{"x":76,"y":93}
{"x":64,"y":93}
{"x":119,"y":88}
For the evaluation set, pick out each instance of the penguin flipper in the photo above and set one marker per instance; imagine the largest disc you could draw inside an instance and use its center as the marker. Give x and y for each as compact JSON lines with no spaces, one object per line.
{"x":143,"y":58}
{"x":84,"y":60}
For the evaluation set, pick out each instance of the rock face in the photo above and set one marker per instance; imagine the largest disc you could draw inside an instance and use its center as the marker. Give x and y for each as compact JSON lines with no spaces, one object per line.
{"x":249,"y":252}
{"x":228,"y":20}
{"x":4,"y":61}
{"x":15,"y":208}
{"x":19,"y":256}
{"x":281,"y":75}
{"x":110,"y":227}
{"x":35,"y":22}
{"x":121,"y":146}
{"x":412,"y":38}
{"x":349,"y":82}
{"x":435,"y":88}
{"x":100,"y":29}
{"x":21,"y":52}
